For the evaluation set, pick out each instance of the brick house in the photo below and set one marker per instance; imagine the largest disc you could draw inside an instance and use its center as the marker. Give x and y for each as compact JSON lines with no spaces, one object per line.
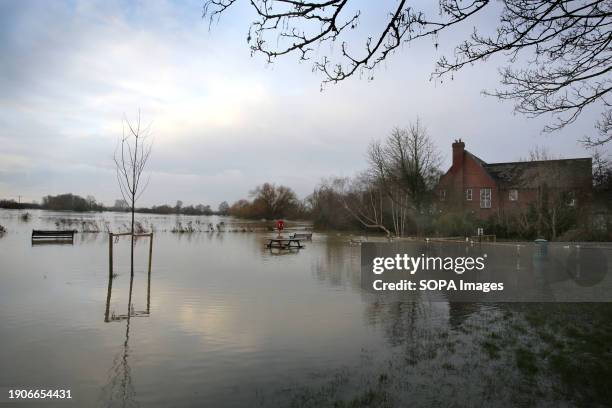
{"x":486,"y":189}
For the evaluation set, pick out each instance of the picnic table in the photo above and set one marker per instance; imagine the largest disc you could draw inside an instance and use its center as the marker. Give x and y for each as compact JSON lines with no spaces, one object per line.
{"x":284,"y":243}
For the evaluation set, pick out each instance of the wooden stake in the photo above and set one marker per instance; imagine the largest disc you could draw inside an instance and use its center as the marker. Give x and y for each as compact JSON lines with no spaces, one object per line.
{"x":149,"y":272}
{"x":110,"y":275}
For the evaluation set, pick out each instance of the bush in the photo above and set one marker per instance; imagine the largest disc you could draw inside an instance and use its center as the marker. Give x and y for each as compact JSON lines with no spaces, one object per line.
{"x":456,"y":224}
{"x":584,"y":234}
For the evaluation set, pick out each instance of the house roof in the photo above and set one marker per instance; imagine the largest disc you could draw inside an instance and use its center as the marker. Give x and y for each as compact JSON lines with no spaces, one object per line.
{"x":575,"y":174}
{"x":564,"y":173}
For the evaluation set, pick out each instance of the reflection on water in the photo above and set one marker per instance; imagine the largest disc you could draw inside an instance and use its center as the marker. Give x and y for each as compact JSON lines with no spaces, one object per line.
{"x":111,"y":276}
{"x":231,"y":323}
{"x":119,"y":390}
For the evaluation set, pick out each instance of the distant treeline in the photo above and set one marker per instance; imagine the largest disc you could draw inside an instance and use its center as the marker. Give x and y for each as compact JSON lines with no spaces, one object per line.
{"x":73,"y":202}
{"x":199,"y":209}
{"x":395,"y":195}
{"x":14,"y":205}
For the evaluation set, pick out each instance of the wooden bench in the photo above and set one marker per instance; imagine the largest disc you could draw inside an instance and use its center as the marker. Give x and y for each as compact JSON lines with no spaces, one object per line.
{"x":284,"y":243}
{"x":42,"y":236}
{"x":484,"y":238}
{"x":301,"y":235}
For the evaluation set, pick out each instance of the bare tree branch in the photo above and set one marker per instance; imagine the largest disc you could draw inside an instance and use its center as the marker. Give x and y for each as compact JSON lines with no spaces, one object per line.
{"x":567,"y":44}
{"x":131,"y":156}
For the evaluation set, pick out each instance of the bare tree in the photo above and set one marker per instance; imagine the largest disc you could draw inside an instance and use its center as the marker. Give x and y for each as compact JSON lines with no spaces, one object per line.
{"x":602,"y":172}
{"x":540,"y":153}
{"x":566,"y":44}
{"x":406,"y":164}
{"x":364,"y":200}
{"x":131,"y":157}
{"x":271,"y":201}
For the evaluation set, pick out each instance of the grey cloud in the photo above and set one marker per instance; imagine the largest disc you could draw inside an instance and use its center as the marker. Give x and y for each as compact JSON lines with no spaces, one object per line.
{"x":223,"y":122}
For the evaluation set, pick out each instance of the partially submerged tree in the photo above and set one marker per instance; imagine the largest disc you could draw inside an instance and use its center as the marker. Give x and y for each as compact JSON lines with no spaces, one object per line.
{"x":558,"y":52}
{"x":131,"y":157}
{"x":271,"y":201}
{"x":364,"y":199}
{"x":394,"y":193}
{"x":326,"y":209}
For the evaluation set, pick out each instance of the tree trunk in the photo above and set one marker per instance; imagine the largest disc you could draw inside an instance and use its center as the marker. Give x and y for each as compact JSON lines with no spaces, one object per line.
{"x":134,"y":184}
{"x":554,"y":223}
{"x":132,"y":243}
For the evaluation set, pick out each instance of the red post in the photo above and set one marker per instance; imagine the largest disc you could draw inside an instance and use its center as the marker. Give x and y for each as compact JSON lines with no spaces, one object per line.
{"x":280,"y":226}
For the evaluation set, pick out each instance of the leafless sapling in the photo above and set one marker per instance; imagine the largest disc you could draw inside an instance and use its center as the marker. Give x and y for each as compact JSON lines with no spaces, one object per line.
{"x":131,"y":156}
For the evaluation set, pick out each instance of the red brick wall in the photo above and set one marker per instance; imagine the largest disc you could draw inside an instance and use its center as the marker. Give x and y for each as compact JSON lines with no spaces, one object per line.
{"x":468,"y":175}
{"x":467,"y":172}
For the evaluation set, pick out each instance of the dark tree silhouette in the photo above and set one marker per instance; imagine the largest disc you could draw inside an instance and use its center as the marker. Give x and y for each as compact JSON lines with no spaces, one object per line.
{"x":565,"y":45}
{"x":271,"y":201}
{"x":407,"y":166}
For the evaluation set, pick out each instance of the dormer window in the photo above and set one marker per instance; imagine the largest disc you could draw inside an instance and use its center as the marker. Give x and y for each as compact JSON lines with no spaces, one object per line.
{"x":513,"y":195}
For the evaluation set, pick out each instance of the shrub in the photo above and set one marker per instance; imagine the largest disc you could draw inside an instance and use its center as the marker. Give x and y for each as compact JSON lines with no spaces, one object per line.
{"x":456,"y":224}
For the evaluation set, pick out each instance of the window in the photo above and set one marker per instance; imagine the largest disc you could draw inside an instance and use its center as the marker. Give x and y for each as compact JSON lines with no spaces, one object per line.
{"x":468,"y":194}
{"x":442,"y":195}
{"x":485,"y":198}
{"x":571,"y":199}
{"x":513,"y":195}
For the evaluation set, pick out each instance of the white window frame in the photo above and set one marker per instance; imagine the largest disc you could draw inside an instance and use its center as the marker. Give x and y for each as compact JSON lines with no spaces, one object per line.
{"x":485,"y":197}
{"x":513,"y":194}
{"x":468,"y":194}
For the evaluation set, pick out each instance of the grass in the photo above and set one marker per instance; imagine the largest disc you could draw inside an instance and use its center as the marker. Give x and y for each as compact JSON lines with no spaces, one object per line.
{"x":369,"y":398}
{"x":526,"y":361}
{"x":580,"y":355}
{"x":547,"y":355}
{"x":491,"y":349}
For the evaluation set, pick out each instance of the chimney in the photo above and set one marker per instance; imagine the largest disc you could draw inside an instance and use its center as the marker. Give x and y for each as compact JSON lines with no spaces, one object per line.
{"x":458,"y":149}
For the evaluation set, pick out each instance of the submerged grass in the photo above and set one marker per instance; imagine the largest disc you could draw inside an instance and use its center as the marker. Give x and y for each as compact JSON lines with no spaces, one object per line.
{"x":576,"y":340}
{"x":519,"y":355}
{"x":526,"y":361}
{"x":491,"y":348}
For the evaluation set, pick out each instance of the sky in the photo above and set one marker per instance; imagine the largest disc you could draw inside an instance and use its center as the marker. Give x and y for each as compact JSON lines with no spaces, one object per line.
{"x":222,"y":121}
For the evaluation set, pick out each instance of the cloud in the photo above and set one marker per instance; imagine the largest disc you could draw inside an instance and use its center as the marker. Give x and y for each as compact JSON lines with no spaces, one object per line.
{"x":223,"y":122}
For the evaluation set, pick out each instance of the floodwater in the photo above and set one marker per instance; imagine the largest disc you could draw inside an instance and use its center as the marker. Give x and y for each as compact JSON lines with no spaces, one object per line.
{"x":223,"y":322}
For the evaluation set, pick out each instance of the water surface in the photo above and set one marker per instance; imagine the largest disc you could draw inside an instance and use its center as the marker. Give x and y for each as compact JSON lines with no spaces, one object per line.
{"x":230,"y":323}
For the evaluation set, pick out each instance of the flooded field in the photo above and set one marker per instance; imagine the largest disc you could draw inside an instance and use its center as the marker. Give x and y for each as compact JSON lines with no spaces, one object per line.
{"x":224,"y":322}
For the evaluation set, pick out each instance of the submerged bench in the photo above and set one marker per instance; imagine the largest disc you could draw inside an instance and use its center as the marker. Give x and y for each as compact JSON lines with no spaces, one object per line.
{"x":43,"y":236}
{"x":301,"y":235}
{"x":284,"y":243}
